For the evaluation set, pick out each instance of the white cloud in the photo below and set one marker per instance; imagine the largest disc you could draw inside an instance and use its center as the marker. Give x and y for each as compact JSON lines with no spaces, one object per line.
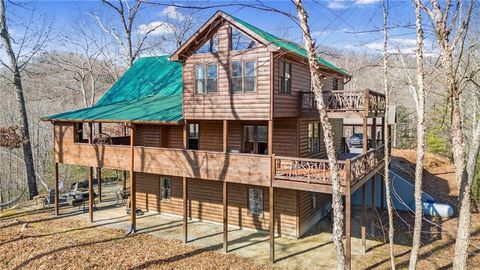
{"x":172,"y":13}
{"x":366,"y":2}
{"x":337,"y":4}
{"x":402,"y":45}
{"x":156,"y":28}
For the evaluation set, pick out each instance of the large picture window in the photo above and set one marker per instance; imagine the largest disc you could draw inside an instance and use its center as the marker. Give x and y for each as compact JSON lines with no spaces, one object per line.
{"x":165,"y":188}
{"x":240,"y":41}
{"x":206,"y":77}
{"x":243,"y":76}
{"x":211,"y":46}
{"x":255,"y":201}
{"x":313,"y":137}
{"x":285,"y":73}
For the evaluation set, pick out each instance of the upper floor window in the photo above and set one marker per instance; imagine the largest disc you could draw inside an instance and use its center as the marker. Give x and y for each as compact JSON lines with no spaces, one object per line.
{"x":285,"y":77}
{"x":206,"y":78}
{"x":211,"y":46}
{"x":313,"y":137}
{"x":240,"y":41}
{"x":243,"y":76}
{"x":193,"y":136}
{"x":335,"y":84}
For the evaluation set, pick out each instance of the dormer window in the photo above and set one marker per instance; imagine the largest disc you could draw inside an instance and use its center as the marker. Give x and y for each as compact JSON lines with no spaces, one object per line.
{"x":240,"y":41}
{"x":211,"y":46}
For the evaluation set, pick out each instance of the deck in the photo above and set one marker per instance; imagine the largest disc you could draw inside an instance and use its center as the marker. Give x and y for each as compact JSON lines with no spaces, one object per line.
{"x":342,"y":103}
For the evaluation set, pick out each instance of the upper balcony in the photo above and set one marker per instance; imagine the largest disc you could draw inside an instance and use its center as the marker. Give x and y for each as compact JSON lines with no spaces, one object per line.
{"x":341,"y":103}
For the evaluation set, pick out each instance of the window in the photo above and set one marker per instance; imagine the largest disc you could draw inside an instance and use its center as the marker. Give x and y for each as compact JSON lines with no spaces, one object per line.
{"x":211,"y":46}
{"x":313,"y":138}
{"x":285,"y":78}
{"x":255,"y":201}
{"x":165,"y":188}
{"x":240,"y":41}
{"x":255,"y":139}
{"x":243,"y":76}
{"x":335,"y":84}
{"x":313,"y":197}
{"x":206,"y":78}
{"x":193,"y":136}
{"x":81,"y":133}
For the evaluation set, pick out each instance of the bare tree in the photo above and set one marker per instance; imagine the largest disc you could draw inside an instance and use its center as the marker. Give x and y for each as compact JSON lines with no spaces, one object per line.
{"x":328,"y":138}
{"x":386,"y":88}
{"x":420,"y":101}
{"x":449,"y":23}
{"x":27,"y":47}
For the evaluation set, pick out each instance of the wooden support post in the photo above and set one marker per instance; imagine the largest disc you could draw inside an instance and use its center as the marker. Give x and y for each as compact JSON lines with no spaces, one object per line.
{"x":270,"y":137}
{"x":185,"y":210}
{"x":382,"y":191}
{"x":225,"y":191}
{"x":99,"y":183}
{"x":374,"y":132}
{"x":383,"y":130}
{"x":364,"y":229}
{"x":373,"y":207}
{"x":365,"y":135}
{"x":272,"y":224}
{"x":133,"y":196}
{"x":90,"y":177}
{"x":57,"y":210}
{"x":348,"y":214}
{"x":185,"y":135}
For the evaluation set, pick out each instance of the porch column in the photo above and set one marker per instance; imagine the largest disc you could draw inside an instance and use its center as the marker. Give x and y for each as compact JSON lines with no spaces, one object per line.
{"x":374,"y":132}
{"x":364,"y":229}
{"x":272,"y":224}
{"x":225,"y":191}
{"x":185,"y":188}
{"x":270,"y":137}
{"x":99,"y":172}
{"x":57,"y":210}
{"x":373,"y":207}
{"x":348,"y":237}
{"x":133,"y":197}
{"x":365,"y":135}
{"x":90,"y":177}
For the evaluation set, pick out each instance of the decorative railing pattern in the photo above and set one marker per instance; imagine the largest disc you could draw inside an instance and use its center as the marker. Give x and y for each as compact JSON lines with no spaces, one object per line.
{"x":345,"y":100}
{"x":317,"y":171}
{"x":306,"y":170}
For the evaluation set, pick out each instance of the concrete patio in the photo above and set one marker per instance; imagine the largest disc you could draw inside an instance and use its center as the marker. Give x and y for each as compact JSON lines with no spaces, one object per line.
{"x":315,"y":250}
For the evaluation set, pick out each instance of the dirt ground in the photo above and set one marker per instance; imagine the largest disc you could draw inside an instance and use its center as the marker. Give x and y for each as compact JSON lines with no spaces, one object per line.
{"x":68,"y":243}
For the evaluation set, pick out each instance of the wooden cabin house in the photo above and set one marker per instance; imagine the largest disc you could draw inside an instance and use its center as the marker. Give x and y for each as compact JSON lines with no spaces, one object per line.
{"x":226,"y":130}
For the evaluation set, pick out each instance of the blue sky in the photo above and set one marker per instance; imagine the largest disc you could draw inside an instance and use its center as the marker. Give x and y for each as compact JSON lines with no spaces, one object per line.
{"x":342,"y":24}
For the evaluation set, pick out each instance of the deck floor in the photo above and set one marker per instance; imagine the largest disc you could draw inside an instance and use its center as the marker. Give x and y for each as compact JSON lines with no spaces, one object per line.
{"x":313,"y":251}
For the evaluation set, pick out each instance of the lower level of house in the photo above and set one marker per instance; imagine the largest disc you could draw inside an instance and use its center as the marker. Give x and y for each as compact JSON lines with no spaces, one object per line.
{"x":296,"y":211}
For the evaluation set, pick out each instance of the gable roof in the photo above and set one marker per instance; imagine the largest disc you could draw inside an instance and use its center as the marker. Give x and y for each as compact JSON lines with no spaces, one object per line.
{"x":149,"y":91}
{"x":260,"y":34}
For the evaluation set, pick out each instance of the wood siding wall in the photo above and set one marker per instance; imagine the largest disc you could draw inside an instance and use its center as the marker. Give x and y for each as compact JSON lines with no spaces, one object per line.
{"x":223,"y":104}
{"x":337,"y":125}
{"x":285,"y":137}
{"x":287,"y":105}
{"x":205,"y":203}
{"x":308,"y":216}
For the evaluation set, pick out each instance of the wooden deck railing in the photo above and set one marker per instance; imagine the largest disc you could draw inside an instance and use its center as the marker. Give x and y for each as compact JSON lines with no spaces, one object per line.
{"x":317,"y":171}
{"x":346,"y":100}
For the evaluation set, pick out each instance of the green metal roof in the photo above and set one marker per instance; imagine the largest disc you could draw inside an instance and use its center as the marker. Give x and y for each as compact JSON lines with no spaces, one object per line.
{"x":149,"y":91}
{"x":286,"y":45}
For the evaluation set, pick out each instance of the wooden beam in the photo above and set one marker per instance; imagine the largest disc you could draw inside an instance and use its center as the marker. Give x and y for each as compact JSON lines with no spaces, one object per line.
{"x":364,"y":229}
{"x":365,"y":135}
{"x":225,"y":216}
{"x":225,"y":136}
{"x":57,"y":210}
{"x":185,"y":209}
{"x":348,"y":215}
{"x":90,"y":177}
{"x":270,"y":137}
{"x":272,"y":224}
{"x":99,"y":183}
{"x":374,"y":132}
{"x":185,"y":135}
{"x":133,"y":197}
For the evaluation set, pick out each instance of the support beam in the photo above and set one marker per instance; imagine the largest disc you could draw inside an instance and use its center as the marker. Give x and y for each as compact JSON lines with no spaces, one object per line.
{"x":374,"y":132}
{"x":99,"y":183}
{"x":133,"y":197}
{"x":185,"y":211}
{"x":55,"y":170}
{"x":348,"y":237}
{"x":225,"y":191}
{"x":90,"y":177}
{"x":270,"y":137}
{"x":365,"y":135}
{"x":363,"y":214}
{"x":185,"y":135}
{"x":373,"y":207}
{"x":272,"y":224}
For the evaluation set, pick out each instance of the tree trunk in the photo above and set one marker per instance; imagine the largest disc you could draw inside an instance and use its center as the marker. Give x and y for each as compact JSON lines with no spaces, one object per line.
{"x":420,"y":97}
{"x":386,"y":139}
{"x":17,"y":84}
{"x":328,"y":138}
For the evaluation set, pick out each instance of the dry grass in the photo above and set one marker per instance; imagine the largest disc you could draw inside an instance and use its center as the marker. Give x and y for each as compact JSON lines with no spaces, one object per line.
{"x":46,"y":242}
